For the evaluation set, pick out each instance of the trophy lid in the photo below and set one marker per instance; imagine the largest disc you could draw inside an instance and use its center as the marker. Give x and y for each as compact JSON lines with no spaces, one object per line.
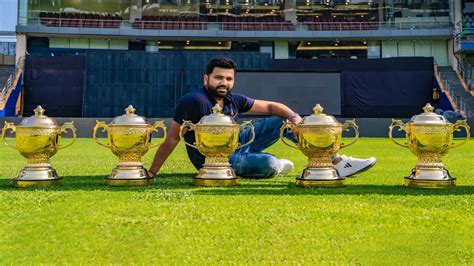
{"x":319,"y":118}
{"x":217,"y":117}
{"x":38,"y":120}
{"x":429,"y":117}
{"x":129,"y":118}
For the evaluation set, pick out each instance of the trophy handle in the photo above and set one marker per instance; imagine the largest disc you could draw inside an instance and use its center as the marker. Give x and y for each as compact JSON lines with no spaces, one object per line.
{"x":8,"y":126}
{"x":186,"y":124}
{"x":244,"y":125}
{"x":396,"y":123}
{"x":155,"y":127}
{"x":100,"y":124}
{"x":64,"y":128}
{"x":345,"y":127}
{"x":456,"y":127}
{"x":287,"y":125}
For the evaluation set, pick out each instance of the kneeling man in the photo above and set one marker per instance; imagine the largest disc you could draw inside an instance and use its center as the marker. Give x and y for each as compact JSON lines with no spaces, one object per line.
{"x":248,"y":161}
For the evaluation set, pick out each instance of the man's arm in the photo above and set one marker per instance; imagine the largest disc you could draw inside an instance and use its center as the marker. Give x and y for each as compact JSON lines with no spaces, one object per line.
{"x":165,"y":149}
{"x":275,"y":108}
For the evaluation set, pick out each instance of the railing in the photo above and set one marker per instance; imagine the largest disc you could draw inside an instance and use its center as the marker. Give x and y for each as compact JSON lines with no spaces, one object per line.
{"x":80,"y":22}
{"x":11,"y":82}
{"x":344,"y":26}
{"x":455,"y":100}
{"x":203,"y":25}
{"x":8,"y":84}
{"x":464,"y":31}
{"x":169,"y":25}
{"x":257,"y":26}
{"x":466,"y":70}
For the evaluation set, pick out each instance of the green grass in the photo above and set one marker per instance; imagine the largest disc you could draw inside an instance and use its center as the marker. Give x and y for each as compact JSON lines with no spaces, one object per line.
{"x":373,"y":220}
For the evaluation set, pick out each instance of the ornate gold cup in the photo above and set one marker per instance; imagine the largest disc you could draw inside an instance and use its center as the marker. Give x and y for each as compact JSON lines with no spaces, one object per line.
{"x":319,"y":138}
{"x":429,"y":136}
{"x":37,"y":139}
{"x":217,"y":137}
{"x":129,"y":138}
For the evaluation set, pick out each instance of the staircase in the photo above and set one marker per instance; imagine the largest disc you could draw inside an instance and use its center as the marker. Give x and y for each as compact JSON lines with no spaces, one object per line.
{"x":461,"y":99}
{"x":10,"y":88}
{"x":5,"y":72}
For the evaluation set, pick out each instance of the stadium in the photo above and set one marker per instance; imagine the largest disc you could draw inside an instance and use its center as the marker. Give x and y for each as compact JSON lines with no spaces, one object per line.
{"x":372,"y":61}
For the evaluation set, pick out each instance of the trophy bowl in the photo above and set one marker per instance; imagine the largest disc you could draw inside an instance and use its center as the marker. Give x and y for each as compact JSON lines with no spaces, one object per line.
{"x":216,"y":137}
{"x":129,"y":138}
{"x":37,"y":139}
{"x":429,"y":137}
{"x":319,"y":138}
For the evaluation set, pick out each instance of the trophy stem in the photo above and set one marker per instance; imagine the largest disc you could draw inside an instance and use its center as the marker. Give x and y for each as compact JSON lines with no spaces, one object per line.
{"x":435,"y":165}
{"x":37,"y":163}
{"x":322,"y":162}
{"x":216,"y":162}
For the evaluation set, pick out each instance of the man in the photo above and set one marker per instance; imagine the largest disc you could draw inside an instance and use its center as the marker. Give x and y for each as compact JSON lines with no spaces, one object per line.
{"x":249,"y":161}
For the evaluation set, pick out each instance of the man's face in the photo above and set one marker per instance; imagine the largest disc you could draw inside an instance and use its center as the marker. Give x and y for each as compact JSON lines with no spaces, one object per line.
{"x":220,"y":82}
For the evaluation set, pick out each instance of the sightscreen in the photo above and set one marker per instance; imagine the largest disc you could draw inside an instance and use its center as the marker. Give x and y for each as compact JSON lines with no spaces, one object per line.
{"x":301,"y":91}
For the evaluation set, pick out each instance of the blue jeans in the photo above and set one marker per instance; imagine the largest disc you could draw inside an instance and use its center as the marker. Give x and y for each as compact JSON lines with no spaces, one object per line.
{"x":251,"y":161}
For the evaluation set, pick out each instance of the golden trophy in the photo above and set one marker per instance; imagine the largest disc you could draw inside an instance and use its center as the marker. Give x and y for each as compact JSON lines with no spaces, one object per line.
{"x":319,"y":138}
{"x":429,"y":136}
{"x":217,"y":137}
{"x":37,"y":139}
{"x":129,"y":138}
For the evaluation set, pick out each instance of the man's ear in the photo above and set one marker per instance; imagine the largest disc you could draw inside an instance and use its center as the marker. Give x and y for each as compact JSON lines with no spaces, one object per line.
{"x":206,"y":79}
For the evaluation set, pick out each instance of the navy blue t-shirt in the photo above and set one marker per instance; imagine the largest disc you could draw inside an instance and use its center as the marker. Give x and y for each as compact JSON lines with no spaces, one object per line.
{"x":196,"y":104}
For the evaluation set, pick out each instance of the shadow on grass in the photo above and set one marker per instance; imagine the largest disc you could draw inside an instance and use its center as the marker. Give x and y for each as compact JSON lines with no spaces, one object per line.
{"x":292,"y":189}
{"x":170,"y":181}
{"x":97,"y":182}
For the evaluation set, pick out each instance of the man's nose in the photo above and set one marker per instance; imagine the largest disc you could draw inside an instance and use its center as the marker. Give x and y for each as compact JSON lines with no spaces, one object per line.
{"x":224,"y":83}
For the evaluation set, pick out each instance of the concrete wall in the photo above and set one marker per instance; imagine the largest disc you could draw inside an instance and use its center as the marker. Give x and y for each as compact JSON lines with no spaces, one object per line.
{"x":281,"y":50}
{"x":88,"y":43}
{"x":368,"y":127}
{"x":435,"y":48}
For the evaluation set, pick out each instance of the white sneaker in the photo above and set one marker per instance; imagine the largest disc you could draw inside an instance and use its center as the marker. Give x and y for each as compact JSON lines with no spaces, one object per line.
{"x":286,"y":166}
{"x":349,"y":166}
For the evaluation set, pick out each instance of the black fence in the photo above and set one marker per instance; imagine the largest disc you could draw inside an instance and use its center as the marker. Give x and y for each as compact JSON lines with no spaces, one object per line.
{"x":102,"y":84}
{"x":391,"y":87}
{"x":151,"y":82}
{"x":55,"y":83}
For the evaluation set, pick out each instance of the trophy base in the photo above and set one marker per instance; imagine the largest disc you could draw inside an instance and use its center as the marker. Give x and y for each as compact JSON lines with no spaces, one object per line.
{"x":216,"y":177}
{"x":320,"y":177}
{"x":430,"y":178}
{"x":37,"y":177}
{"x":133,"y":176}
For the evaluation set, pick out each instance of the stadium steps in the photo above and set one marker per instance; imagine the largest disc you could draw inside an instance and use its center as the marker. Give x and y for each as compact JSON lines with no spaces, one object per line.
{"x":10,"y":92}
{"x":449,"y":75}
{"x":5,"y":72}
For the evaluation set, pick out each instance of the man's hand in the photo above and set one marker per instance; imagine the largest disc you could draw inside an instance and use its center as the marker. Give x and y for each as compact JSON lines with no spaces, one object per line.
{"x":295,"y":118}
{"x":165,"y":149}
{"x":275,"y":108}
{"x":150,"y":174}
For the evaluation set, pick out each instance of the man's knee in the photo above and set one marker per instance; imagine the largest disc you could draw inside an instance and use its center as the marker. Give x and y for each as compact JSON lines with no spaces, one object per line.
{"x":262,"y":166}
{"x":274,"y":121}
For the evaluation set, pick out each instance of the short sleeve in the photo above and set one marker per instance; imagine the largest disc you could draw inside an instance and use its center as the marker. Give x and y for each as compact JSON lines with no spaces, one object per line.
{"x":243,"y":102}
{"x":188,"y":108}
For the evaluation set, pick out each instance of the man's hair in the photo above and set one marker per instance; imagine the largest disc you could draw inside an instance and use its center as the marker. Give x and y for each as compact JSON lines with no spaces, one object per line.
{"x":220,"y":62}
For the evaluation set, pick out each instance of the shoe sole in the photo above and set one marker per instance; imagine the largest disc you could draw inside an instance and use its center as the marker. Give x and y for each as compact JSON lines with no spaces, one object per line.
{"x":363,"y":169}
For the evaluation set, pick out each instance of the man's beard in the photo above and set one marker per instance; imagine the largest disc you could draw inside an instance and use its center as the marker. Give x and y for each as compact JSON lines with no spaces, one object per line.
{"x":219,"y":92}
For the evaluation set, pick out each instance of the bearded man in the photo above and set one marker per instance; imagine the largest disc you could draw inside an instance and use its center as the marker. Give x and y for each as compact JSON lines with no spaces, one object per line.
{"x":248,"y":161}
